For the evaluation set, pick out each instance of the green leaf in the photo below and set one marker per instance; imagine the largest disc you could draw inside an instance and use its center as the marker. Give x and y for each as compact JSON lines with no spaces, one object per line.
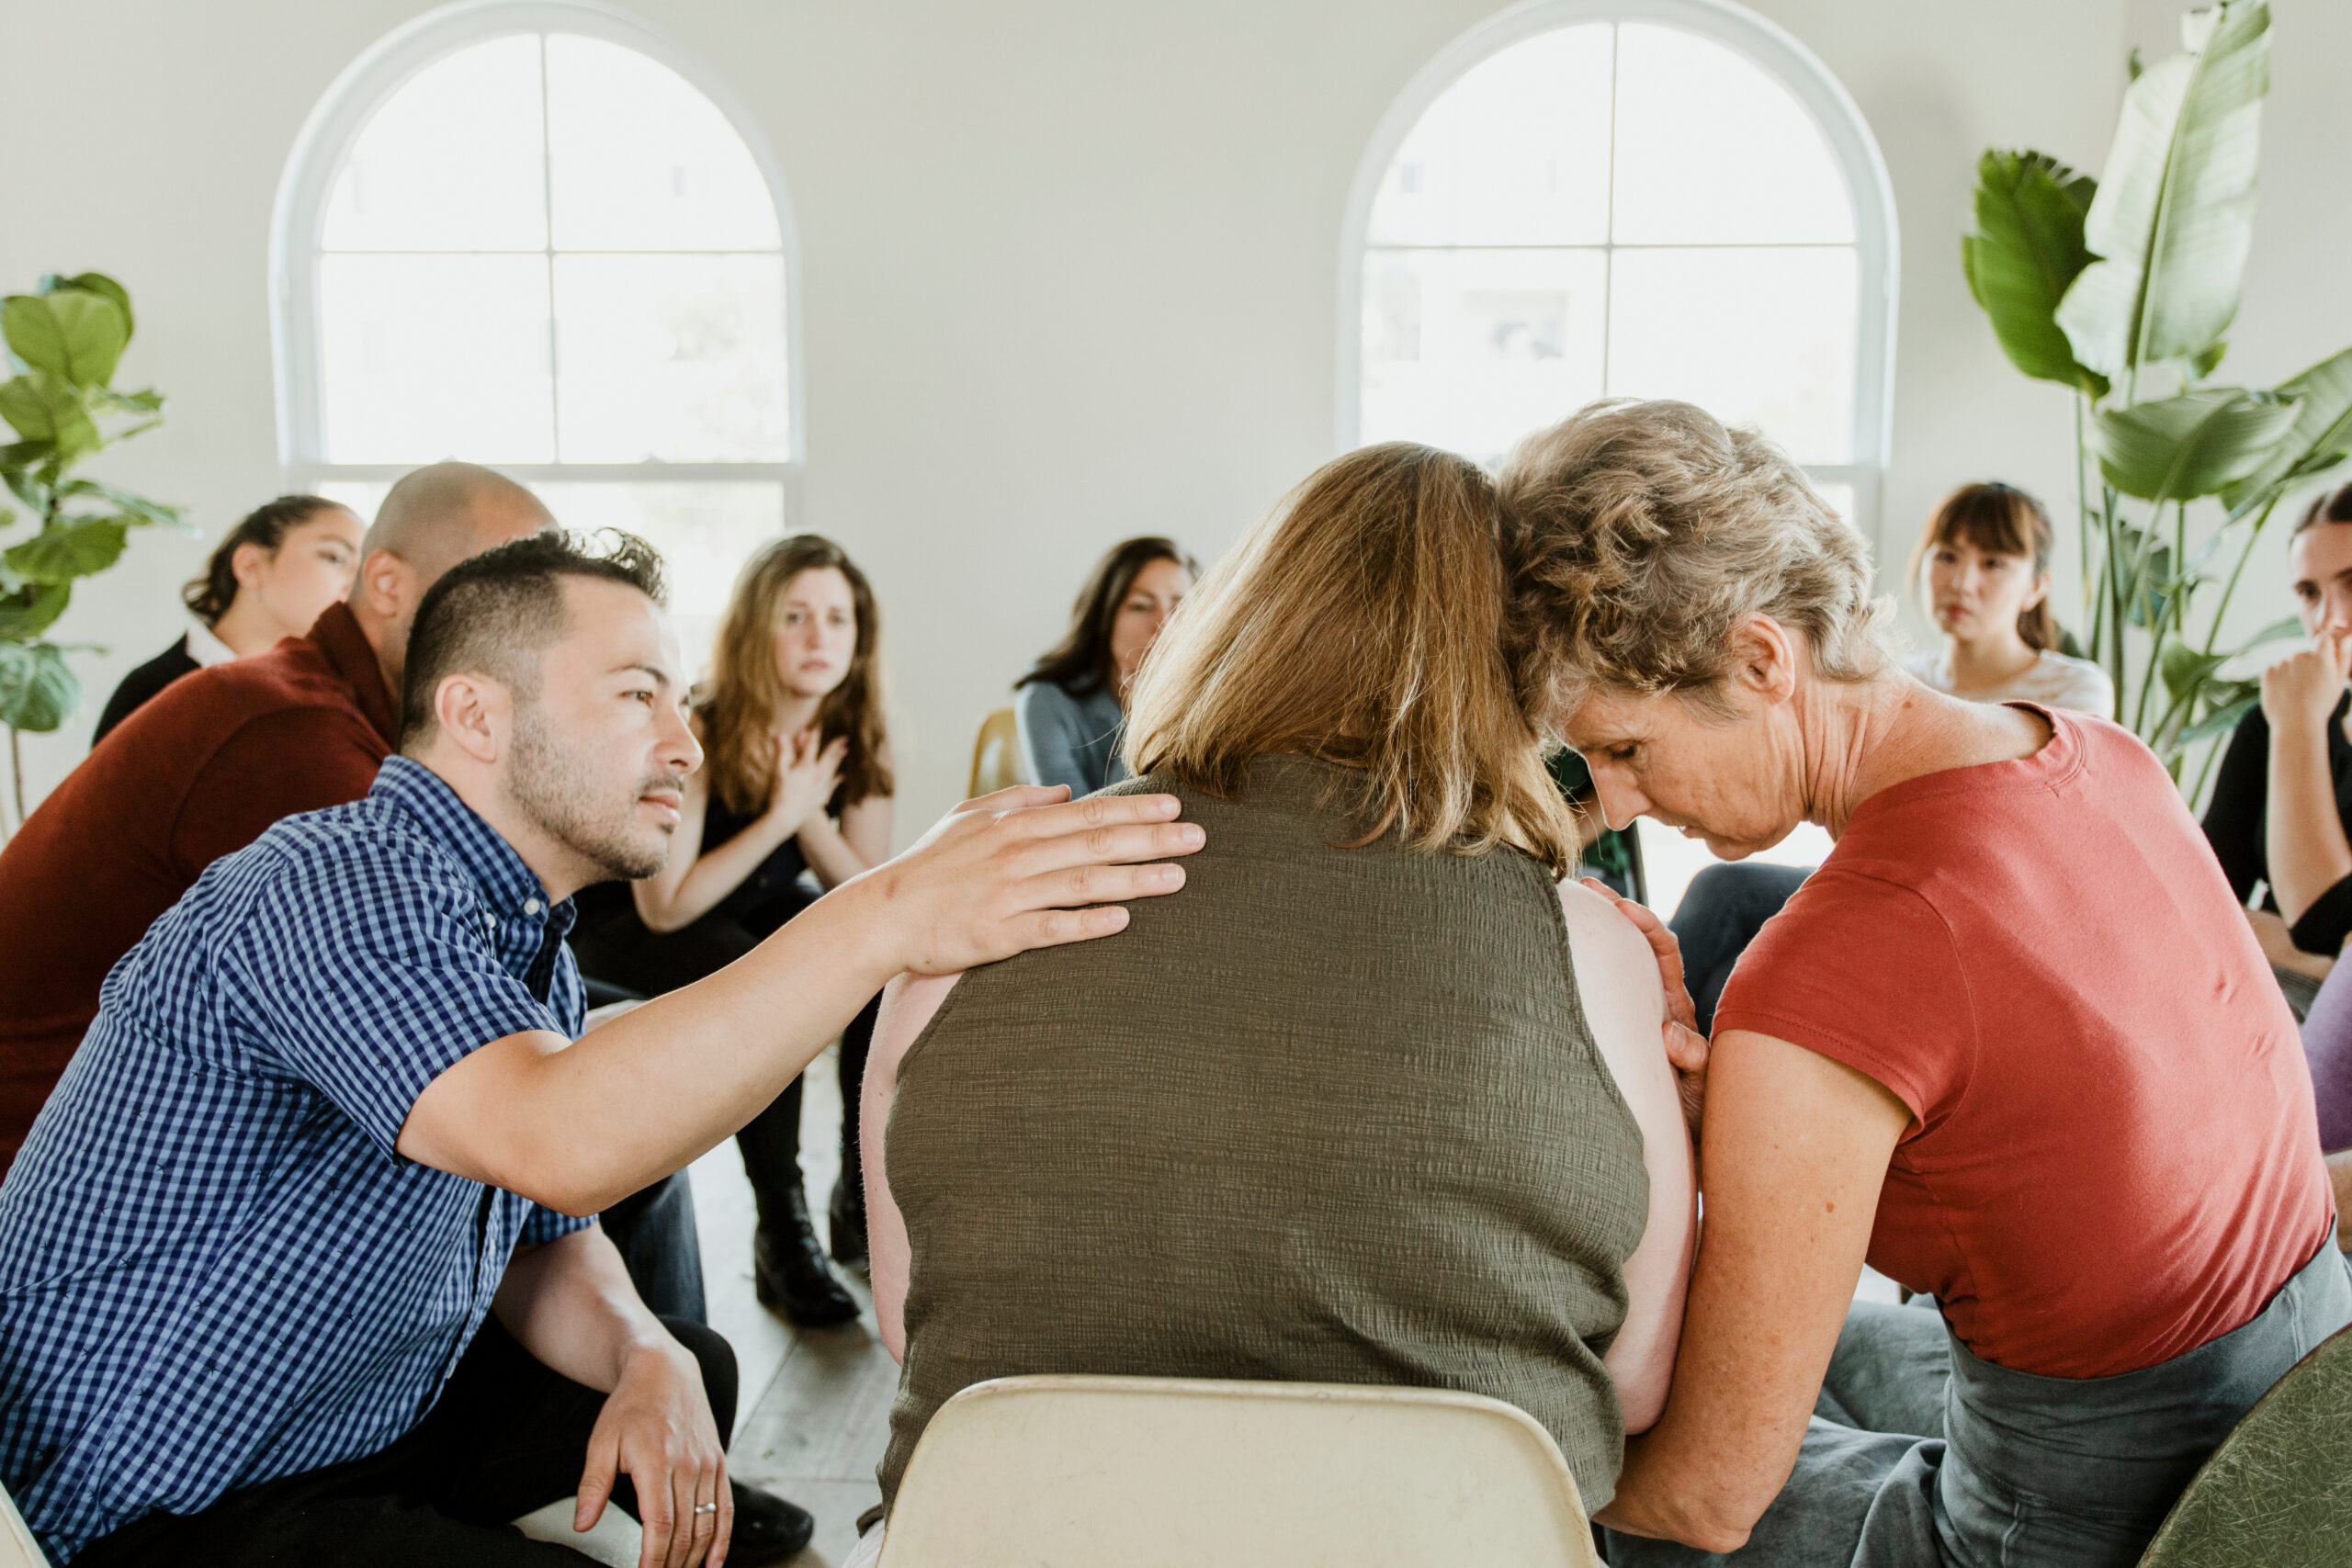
{"x":2208,"y":359}
{"x":31,"y":610}
{"x":2175,"y":212}
{"x":38,"y":690}
{"x":99,"y":283}
{"x":2320,"y":438}
{"x":72,"y":334}
{"x":139,"y":508}
{"x":2191,"y":445}
{"x":2027,"y":249}
{"x":2147,"y":562}
{"x":44,"y":406}
{"x":2184,"y":669}
{"x":2287,"y":625}
{"x":2219,"y":721}
{"x":147,"y":402}
{"x":63,"y":551}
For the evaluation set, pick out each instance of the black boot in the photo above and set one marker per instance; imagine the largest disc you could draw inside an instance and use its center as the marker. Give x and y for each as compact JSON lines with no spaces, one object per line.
{"x":767,"y":1529}
{"x":847,"y":1213}
{"x":788,"y":1269}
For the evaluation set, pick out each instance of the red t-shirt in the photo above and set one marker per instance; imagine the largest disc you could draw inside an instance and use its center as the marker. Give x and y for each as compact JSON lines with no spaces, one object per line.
{"x":2114,"y":1157}
{"x":194,"y":774}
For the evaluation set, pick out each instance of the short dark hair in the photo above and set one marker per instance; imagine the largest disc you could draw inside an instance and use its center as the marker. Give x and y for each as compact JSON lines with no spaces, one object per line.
{"x":209,"y":597}
{"x":493,"y":614}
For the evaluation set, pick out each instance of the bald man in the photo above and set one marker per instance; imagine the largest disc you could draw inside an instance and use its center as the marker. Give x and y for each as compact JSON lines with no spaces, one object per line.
{"x":213,"y":759}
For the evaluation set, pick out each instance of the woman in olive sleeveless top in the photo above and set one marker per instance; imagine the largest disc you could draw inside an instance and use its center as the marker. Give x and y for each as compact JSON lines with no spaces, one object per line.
{"x":1369,"y":1101}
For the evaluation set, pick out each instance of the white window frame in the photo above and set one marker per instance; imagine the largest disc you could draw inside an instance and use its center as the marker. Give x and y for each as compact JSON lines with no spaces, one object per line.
{"x":1780,"y":56}
{"x":297,"y":227}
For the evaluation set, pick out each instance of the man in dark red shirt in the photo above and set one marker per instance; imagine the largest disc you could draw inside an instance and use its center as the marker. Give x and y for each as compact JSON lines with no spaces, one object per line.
{"x":218,"y":756}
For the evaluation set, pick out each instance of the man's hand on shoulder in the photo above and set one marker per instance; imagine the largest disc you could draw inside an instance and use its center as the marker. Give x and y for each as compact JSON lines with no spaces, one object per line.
{"x":1022,"y":868}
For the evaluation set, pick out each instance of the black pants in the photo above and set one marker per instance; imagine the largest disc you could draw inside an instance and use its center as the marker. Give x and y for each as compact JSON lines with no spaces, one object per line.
{"x":623,"y":952}
{"x":654,"y":1230}
{"x":1721,"y":912}
{"x":509,"y":1435}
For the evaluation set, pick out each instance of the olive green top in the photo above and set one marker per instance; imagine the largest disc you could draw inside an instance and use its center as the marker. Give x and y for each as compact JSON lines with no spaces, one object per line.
{"x":1327,"y":1115}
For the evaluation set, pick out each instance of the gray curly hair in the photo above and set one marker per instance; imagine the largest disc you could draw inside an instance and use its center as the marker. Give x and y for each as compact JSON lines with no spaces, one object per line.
{"x":1638,"y":535}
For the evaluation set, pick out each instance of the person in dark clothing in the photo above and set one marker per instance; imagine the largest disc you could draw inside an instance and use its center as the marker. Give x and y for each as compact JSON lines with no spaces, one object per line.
{"x":271,"y":578}
{"x":2282,"y":797}
{"x":795,"y":799}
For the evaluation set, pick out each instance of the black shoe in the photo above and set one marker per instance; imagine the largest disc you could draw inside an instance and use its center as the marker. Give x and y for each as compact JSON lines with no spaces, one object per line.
{"x":847,"y":1213}
{"x":767,"y":1529}
{"x":789,"y":1273}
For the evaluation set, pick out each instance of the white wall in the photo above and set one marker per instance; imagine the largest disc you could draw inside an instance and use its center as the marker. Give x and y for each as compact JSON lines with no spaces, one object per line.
{"x":1069,"y":264}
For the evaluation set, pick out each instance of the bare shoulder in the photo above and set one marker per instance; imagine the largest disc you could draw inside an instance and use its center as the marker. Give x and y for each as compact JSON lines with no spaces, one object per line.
{"x":1616,"y":971}
{"x":908,"y":1004}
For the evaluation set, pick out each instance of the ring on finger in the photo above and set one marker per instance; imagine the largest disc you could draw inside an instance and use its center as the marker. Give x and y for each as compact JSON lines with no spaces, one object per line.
{"x":705,"y":1507}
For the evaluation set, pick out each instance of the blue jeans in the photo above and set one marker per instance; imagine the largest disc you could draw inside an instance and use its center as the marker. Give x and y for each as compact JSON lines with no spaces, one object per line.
{"x":2018,"y":1471}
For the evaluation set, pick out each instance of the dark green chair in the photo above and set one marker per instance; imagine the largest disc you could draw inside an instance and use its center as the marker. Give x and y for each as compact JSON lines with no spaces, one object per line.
{"x":2277,"y":1492}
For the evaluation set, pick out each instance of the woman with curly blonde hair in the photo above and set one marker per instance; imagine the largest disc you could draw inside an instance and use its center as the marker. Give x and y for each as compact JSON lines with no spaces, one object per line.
{"x":2012,"y":1043}
{"x":796,"y":782}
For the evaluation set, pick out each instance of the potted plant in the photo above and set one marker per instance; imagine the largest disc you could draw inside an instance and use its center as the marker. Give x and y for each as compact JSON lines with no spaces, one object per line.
{"x":2123,"y":289}
{"x":64,"y":341}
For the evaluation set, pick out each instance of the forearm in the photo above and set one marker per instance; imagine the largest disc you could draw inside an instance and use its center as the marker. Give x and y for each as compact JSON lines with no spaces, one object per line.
{"x":571,"y":1304}
{"x":580,"y":1127}
{"x":714,"y":875}
{"x":830,"y":854}
{"x":2304,"y":839}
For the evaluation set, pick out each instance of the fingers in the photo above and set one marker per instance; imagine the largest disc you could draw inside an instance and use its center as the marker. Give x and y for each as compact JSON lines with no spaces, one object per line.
{"x":1107,"y":847}
{"x":1048,"y":820}
{"x":657,"y":1514}
{"x":596,"y":1480}
{"x":724,"y":1531}
{"x":1023,"y":797}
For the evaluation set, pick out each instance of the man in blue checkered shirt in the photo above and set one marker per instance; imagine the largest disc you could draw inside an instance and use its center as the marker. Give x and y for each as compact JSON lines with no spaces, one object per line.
{"x":288,"y":1268}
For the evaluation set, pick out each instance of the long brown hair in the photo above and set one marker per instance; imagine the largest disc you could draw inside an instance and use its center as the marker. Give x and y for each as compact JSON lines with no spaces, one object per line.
{"x":1999,"y":520}
{"x":739,"y":706}
{"x":1362,"y":623}
{"x":1081,"y":662}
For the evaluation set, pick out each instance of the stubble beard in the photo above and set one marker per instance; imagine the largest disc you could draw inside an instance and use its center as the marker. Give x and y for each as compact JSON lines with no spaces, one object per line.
{"x":556,"y":792}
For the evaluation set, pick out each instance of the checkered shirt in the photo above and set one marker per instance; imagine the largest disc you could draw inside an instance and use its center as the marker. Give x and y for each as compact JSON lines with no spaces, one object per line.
{"x":214,"y":1269}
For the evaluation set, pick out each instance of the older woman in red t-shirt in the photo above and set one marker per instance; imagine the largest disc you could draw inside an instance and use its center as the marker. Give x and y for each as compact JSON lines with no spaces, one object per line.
{"x":2012,"y":1043}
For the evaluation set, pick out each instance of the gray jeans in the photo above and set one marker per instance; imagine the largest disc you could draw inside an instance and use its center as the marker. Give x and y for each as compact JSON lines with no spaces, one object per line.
{"x":1921,"y":1456}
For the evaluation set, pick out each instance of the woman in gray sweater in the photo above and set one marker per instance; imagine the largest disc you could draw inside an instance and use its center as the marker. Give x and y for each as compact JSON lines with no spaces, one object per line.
{"x":1070,"y":707}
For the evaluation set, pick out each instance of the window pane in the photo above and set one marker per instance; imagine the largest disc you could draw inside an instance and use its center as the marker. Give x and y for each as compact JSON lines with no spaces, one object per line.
{"x":452,"y":162}
{"x":435,"y":356}
{"x":1514,"y":153}
{"x":1762,"y":337}
{"x":1713,"y":150}
{"x":642,"y":161}
{"x":1472,"y":349}
{"x":673,"y":357}
{"x":705,"y":533}
{"x":1669,"y":861}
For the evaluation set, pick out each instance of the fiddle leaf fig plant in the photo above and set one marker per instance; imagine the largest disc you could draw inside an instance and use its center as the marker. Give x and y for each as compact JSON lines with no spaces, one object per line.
{"x":2123,"y":289}
{"x":64,"y":339}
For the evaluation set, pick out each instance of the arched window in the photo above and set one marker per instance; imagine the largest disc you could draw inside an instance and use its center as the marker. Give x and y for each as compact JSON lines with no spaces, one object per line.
{"x":526,"y":233}
{"x":1583,"y":198}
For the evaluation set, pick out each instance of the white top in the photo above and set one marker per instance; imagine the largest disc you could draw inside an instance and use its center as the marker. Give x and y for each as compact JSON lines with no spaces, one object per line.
{"x":2053,"y":680}
{"x":206,"y":648}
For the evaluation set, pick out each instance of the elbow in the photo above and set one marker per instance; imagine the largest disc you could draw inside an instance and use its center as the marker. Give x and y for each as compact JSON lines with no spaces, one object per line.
{"x":1716,"y":1538}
